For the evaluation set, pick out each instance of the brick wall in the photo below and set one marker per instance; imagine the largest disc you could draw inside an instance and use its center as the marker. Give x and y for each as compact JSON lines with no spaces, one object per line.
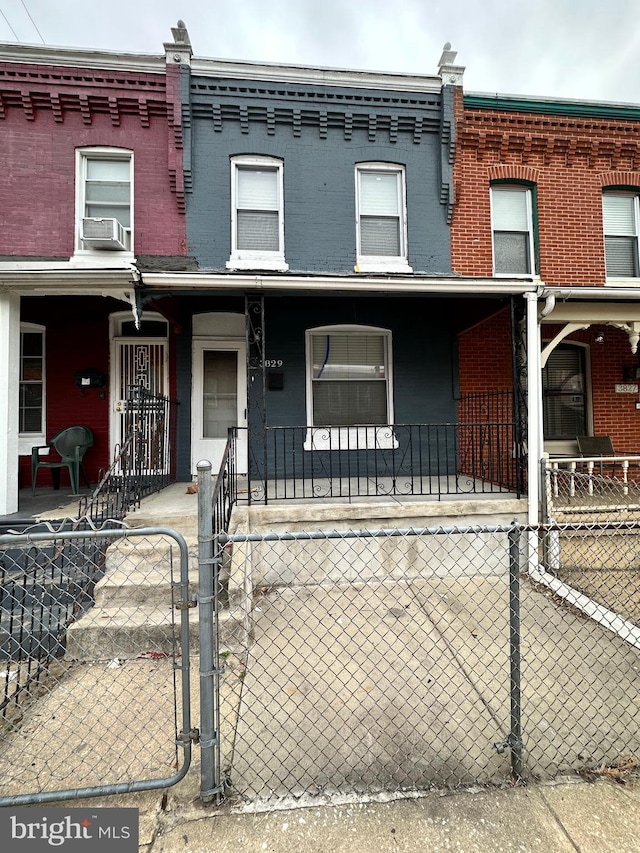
{"x":569,"y":159}
{"x":45,"y":117}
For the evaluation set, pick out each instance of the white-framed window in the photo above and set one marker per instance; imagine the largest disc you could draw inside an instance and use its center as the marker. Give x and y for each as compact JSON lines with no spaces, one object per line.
{"x":32,"y":388}
{"x":381,"y":218}
{"x":257,"y":213}
{"x":104,"y":200}
{"x":512,"y":227}
{"x":349,"y":388}
{"x":620,"y":220}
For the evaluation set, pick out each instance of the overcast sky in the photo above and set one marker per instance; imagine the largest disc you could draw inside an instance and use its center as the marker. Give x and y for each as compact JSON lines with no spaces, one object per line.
{"x":585,"y":49}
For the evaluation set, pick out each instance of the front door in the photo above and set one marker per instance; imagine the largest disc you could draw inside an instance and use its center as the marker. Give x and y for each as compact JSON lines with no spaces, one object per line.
{"x":139,"y":361}
{"x":219,"y":401}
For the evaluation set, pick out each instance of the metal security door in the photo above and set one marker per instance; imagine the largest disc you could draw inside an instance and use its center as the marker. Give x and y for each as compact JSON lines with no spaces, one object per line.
{"x":138,"y":363}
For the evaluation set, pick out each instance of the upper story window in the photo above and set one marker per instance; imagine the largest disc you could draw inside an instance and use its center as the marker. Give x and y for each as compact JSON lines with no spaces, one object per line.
{"x":381,"y":218}
{"x":104,"y":199}
{"x":257,"y":214}
{"x":512,"y":226}
{"x":620,"y":218}
{"x":31,"y":404}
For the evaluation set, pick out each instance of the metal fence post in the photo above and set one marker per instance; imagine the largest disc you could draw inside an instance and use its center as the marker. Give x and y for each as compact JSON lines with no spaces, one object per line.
{"x":515,"y":735}
{"x":209,"y":731}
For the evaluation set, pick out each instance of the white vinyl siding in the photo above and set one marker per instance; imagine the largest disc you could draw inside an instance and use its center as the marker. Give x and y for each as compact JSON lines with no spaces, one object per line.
{"x":257,"y":214}
{"x":620,"y":217}
{"x":511,"y":221}
{"x":381,"y":218}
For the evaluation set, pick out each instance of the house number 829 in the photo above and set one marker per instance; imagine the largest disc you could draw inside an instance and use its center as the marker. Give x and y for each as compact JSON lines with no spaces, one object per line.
{"x":273,"y":362}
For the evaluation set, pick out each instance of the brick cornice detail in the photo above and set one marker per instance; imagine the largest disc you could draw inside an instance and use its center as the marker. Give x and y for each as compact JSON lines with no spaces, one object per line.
{"x":513,"y":172}
{"x":493,"y":142}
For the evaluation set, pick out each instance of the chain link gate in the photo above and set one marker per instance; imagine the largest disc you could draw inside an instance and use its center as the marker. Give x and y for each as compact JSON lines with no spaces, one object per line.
{"x":369,"y":661}
{"x":94,"y":643}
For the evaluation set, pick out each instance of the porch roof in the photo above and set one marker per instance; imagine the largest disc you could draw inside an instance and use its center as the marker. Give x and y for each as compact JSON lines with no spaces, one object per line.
{"x":415,"y":283}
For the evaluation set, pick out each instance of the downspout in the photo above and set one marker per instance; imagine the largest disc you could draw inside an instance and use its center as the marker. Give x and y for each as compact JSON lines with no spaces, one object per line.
{"x":534,"y":425}
{"x":549,"y":305}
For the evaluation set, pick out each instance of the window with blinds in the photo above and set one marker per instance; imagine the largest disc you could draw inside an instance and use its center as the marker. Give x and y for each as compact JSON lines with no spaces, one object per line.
{"x":108,"y":189}
{"x":104,"y":191}
{"x":258,"y":209}
{"x":257,"y":213}
{"x":564,"y":399}
{"x":620,"y":218}
{"x":511,"y":222}
{"x":380,"y":207}
{"x":349,"y":377}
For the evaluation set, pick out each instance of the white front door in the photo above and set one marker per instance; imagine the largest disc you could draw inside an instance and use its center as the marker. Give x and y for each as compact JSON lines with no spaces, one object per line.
{"x":219,"y":401}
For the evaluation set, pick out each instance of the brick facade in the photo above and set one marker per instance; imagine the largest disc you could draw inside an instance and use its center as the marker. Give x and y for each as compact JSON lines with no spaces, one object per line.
{"x":569,"y":159}
{"x":46,"y":113}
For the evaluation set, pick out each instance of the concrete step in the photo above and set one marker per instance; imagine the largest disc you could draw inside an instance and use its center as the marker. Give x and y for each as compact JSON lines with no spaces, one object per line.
{"x":128,"y":632}
{"x":152,"y":586}
{"x":185,"y":523}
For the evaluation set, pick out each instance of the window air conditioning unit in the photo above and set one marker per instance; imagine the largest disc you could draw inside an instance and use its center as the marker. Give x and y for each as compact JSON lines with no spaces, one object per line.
{"x":103,"y":234}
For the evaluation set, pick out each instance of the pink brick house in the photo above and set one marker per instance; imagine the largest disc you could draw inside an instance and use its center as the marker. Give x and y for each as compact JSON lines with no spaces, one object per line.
{"x":93,"y":195}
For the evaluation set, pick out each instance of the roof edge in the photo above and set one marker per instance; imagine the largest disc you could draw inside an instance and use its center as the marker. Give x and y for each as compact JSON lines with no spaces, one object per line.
{"x":551,"y":106}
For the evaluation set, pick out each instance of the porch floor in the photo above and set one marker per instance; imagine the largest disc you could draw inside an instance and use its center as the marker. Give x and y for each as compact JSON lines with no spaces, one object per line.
{"x":47,"y":502}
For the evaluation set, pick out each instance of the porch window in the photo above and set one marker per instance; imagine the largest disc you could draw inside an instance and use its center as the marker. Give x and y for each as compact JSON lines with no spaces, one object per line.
{"x":512,"y":225}
{"x":349,"y":389}
{"x":31,"y":412}
{"x":564,"y":400}
{"x":620,"y":217}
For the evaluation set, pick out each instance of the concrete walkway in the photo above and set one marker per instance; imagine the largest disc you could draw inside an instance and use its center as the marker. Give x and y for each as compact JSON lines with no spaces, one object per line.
{"x":329,"y":660}
{"x":568,"y":817}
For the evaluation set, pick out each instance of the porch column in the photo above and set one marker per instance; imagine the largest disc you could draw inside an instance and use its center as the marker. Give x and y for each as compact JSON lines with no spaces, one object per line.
{"x":9,"y":390}
{"x":534,"y":425}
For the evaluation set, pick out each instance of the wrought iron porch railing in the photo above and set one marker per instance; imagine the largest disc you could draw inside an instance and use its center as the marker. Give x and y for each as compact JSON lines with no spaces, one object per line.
{"x":390,"y":460}
{"x":604,"y":484}
{"x":143,"y":464}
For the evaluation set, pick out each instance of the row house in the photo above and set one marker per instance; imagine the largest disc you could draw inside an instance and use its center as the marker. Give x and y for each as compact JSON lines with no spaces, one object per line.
{"x":322,"y":313}
{"x":550,"y":189}
{"x":267,"y":245}
{"x":93,"y":196}
{"x":381,"y":284}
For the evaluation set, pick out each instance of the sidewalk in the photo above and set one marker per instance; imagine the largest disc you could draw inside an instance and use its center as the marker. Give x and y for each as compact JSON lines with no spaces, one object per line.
{"x":596,"y":817}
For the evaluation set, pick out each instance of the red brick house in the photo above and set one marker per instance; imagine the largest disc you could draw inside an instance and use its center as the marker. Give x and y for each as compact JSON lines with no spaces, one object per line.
{"x":550,"y":191}
{"x":93,"y":196}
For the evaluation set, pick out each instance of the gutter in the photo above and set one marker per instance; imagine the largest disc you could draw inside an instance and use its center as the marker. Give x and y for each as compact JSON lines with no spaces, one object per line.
{"x":335,"y":284}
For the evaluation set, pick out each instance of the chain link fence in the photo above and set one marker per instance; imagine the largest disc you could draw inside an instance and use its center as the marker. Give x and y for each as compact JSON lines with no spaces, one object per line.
{"x":94,"y":662}
{"x":359,"y":662}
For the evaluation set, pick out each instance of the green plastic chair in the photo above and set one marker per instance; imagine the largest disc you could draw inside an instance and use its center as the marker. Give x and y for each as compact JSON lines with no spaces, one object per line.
{"x":71,"y":444}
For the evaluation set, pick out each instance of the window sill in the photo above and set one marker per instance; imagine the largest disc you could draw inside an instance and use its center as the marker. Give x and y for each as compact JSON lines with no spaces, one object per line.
{"x":525,"y":276}
{"x":616,"y":282}
{"x":102,"y":258}
{"x":275,"y":263}
{"x":382,"y":265}
{"x":351,"y":438}
{"x":26,"y":443}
